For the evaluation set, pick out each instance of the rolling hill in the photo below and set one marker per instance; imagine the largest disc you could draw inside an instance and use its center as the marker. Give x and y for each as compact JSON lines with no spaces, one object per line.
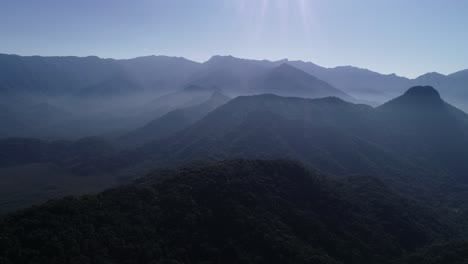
{"x":226,"y":212}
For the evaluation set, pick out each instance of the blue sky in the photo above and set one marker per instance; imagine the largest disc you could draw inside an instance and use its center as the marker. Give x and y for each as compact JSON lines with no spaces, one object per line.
{"x":406,"y":37}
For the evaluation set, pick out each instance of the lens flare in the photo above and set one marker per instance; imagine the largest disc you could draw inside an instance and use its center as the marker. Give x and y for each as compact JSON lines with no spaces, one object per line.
{"x":280,"y":12}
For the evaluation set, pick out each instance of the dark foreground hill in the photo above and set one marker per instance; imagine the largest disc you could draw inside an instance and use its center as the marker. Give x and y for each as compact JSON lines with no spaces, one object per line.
{"x":224,"y":212}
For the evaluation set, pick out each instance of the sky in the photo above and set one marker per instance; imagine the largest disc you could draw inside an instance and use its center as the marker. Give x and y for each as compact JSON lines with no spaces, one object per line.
{"x":406,"y":37}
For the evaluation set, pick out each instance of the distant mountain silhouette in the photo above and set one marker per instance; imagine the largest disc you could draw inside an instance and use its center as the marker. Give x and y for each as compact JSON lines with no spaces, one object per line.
{"x":431,"y":78}
{"x":162,"y":74}
{"x":108,"y":96}
{"x":232,"y":75}
{"x":357,"y":82}
{"x":82,"y":75}
{"x":285,"y":80}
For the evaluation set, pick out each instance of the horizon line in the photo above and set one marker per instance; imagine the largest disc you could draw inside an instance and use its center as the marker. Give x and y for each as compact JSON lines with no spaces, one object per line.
{"x":241,"y":58}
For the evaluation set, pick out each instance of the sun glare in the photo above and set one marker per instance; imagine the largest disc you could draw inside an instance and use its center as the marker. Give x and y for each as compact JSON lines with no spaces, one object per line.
{"x":282,"y":13}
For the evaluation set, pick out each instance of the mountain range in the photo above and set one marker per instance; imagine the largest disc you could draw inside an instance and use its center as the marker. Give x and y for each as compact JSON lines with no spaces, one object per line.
{"x":414,"y":140}
{"x":229,"y":161}
{"x":108,"y":96}
{"x":418,"y":123}
{"x":162,"y":74}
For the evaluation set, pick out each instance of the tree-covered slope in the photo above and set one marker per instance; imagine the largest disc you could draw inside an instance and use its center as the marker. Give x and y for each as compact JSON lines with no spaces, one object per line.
{"x":224,"y":212}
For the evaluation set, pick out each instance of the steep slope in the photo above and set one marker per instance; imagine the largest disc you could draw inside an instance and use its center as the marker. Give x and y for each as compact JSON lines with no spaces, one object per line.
{"x":452,"y":86}
{"x":173,"y":121}
{"x":416,"y":143}
{"x":286,"y":80}
{"x":428,"y":128}
{"x":228,"y":212}
{"x":329,"y":134}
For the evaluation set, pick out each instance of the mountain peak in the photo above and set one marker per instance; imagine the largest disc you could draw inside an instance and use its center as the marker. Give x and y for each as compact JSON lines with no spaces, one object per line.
{"x":417,"y":96}
{"x":432,"y":75}
{"x":422,"y":91}
{"x":220,"y":59}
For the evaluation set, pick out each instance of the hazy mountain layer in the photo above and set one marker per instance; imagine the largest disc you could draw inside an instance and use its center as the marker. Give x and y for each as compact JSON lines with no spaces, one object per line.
{"x":173,"y":121}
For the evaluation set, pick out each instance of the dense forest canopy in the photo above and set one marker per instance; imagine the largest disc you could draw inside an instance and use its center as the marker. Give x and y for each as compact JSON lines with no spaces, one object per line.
{"x":226,"y":212}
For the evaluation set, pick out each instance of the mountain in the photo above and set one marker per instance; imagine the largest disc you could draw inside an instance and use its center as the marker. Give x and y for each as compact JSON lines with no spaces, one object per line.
{"x":428,"y":128}
{"x":329,"y":134}
{"x":54,"y":75}
{"x":416,"y":143}
{"x":103,"y":96}
{"x":225,"y":212}
{"x":160,"y":71}
{"x":162,"y":74}
{"x":431,"y":78}
{"x":286,"y":80}
{"x":452,"y":86}
{"x":232,"y":75}
{"x":173,"y":121}
{"x":113,"y":97}
{"x":245,"y":77}
{"x":455,"y":88}
{"x":82,"y":75}
{"x":360,"y":83}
